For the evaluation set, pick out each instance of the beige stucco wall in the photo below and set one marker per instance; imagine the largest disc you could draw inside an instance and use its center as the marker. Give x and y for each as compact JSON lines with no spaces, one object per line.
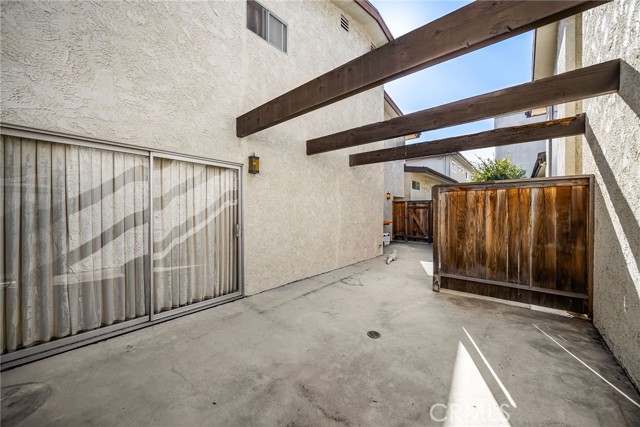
{"x":567,"y":152}
{"x":393,"y":172}
{"x":426,"y":184}
{"x":611,"y":151}
{"x":174,"y":76}
{"x":393,"y":180}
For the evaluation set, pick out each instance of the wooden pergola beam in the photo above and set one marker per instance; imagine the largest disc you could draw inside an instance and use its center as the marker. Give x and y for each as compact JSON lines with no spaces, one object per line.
{"x":583,"y":83}
{"x":504,"y":136}
{"x":469,"y":28}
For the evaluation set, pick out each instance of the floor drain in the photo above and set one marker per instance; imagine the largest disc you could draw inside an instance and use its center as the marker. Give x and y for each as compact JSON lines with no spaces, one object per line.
{"x":374,"y":334}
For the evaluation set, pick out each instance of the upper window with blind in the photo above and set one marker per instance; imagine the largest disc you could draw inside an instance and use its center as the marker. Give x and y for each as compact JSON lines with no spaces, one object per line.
{"x":262,"y":22}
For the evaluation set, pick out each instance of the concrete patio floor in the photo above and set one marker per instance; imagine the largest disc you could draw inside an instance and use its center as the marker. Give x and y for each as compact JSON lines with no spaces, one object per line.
{"x":299,"y":355}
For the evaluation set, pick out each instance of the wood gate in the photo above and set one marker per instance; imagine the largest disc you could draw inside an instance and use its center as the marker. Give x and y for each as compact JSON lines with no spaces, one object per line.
{"x":528,"y":241}
{"x":413,"y":220}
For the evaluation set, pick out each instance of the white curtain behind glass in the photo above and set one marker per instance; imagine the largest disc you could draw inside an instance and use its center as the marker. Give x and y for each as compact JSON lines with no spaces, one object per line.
{"x":195,"y":210}
{"x":73,"y":239}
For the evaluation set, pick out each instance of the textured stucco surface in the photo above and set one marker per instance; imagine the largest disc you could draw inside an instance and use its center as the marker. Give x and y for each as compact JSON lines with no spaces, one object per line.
{"x":567,"y":152}
{"x":611,"y":151}
{"x":174,"y":76}
{"x":426,"y":184}
{"x":393,"y":179}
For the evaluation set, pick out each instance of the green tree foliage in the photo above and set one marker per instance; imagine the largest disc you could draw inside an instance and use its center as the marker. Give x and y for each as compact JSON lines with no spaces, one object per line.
{"x":496,"y":169}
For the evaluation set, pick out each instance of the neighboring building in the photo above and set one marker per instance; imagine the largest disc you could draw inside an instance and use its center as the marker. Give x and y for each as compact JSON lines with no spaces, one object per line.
{"x":454,"y":166}
{"x":523,"y":155}
{"x":610,"y":150}
{"x":109,"y":106}
{"x":413,"y":179}
{"x":419,"y":181}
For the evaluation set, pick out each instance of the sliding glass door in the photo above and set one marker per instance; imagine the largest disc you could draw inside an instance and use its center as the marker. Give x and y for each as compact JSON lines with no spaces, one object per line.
{"x":98,"y":239}
{"x":195,"y":227}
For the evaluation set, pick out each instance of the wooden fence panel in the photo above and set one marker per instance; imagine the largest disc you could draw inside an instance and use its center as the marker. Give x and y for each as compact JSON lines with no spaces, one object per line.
{"x":397,"y":225}
{"x":526,"y":240}
{"x":413,"y":220}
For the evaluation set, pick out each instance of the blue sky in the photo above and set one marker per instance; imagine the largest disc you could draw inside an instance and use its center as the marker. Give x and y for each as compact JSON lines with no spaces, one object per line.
{"x":495,"y":67}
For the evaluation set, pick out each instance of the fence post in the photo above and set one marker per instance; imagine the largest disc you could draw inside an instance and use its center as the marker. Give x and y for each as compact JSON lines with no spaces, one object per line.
{"x":436,"y":261}
{"x":406,"y":220}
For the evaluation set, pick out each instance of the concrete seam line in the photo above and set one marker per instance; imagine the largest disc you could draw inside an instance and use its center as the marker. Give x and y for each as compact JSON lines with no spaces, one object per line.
{"x":588,"y":367}
{"x":486,"y":362}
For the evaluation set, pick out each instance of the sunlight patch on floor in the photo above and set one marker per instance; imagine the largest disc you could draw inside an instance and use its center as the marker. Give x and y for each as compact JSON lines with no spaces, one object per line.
{"x":428,"y":267}
{"x":471,"y":402}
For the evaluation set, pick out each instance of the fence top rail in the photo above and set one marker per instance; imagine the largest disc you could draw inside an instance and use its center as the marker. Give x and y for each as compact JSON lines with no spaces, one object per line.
{"x":571,"y":181}
{"x":411,"y":201}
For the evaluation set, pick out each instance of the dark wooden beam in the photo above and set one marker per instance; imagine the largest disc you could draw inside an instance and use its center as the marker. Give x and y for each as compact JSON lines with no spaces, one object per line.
{"x":469,"y":28}
{"x":504,"y":136}
{"x":583,"y":83}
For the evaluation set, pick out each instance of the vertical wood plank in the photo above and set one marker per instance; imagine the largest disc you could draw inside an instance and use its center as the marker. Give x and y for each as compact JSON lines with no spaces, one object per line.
{"x":460,"y":230}
{"x":500,"y":241}
{"x":395,"y":225}
{"x":436,"y":239}
{"x":513,"y":235}
{"x":544,"y":251}
{"x":579,"y":217}
{"x":480,"y":236}
{"x":452,"y":210}
{"x":470,"y":238}
{"x":490,"y":238}
{"x":430,"y":221}
{"x":524,"y":227}
{"x":564,"y":241}
{"x":443,"y":241}
{"x":407,"y":227}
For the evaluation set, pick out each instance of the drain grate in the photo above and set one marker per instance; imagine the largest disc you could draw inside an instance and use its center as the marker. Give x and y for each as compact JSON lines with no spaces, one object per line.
{"x":374,"y":334}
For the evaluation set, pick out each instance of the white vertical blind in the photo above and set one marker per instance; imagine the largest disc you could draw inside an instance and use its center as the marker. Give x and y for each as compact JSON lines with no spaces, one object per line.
{"x":195,"y":210}
{"x":73,"y":239}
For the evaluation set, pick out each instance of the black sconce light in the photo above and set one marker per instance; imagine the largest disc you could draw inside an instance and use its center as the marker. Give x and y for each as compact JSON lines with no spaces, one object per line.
{"x":388,"y":196}
{"x":254,"y":164}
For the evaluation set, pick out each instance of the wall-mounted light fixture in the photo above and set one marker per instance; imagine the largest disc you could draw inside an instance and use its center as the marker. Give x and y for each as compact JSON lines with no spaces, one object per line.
{"x":254,"y":164}
{"x":388,"y":196}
